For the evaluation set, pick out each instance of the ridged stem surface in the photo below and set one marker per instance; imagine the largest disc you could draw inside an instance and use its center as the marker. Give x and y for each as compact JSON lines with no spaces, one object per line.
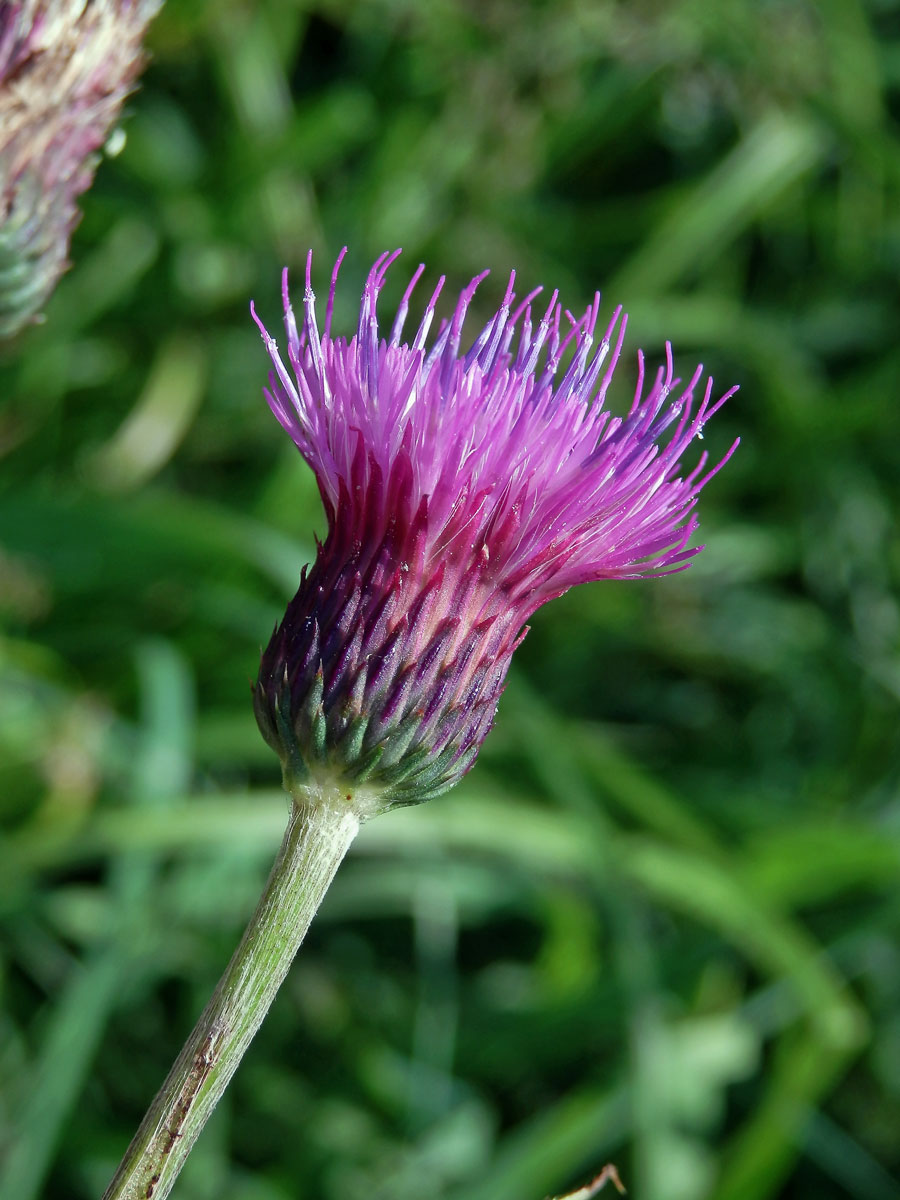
{"x":317,"y":838}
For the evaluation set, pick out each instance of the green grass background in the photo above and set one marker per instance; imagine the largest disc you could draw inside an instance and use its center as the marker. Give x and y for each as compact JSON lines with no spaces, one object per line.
{"x":659,"y":923}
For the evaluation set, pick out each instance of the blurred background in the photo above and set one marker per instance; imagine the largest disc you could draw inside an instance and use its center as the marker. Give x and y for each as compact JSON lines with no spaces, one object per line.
{"x":659,"y":923}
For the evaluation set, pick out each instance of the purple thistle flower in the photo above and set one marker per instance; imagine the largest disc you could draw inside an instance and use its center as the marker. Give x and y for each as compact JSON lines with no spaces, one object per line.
{"x":463,"y":489}
{"x":65,"y":70}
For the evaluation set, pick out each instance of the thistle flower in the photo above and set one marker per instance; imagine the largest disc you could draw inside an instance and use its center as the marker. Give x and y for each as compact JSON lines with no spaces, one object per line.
{"x":65,"y":68}
{"x":463,"y":489}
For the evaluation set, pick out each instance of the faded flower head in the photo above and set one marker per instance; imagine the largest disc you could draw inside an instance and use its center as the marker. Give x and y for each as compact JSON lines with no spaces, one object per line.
{"x":65,"y":68}
{"x":463,"y":489}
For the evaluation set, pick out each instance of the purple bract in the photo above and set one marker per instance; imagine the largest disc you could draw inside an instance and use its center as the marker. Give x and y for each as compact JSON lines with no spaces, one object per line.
{"x":463,"y":489}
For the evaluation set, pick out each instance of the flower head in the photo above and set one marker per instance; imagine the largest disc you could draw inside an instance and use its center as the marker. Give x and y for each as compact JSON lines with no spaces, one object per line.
{"x":66,"y":66}
{"x":463,"y":489}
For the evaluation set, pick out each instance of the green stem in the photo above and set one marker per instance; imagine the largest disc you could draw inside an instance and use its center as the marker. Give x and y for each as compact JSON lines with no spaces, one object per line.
{"x":317,"y":838}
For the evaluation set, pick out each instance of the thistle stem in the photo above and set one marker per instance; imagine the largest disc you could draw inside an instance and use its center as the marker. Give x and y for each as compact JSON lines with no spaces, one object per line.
{"x":317,"y":838}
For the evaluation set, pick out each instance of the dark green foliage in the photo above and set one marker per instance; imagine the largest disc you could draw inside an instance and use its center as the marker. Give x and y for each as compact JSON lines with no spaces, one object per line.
{"x":659,"y":921}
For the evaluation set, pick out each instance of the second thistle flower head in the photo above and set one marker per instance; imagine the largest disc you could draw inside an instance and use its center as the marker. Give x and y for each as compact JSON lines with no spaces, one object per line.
{"x":463,"y":489}
{"x":66,"y":67}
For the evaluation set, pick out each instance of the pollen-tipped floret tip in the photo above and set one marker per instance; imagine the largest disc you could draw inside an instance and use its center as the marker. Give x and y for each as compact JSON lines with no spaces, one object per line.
{"x":465,"y":484}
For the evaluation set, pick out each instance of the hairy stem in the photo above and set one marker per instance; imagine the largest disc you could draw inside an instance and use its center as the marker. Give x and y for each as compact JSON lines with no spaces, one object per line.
{"x":317,"y":838}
